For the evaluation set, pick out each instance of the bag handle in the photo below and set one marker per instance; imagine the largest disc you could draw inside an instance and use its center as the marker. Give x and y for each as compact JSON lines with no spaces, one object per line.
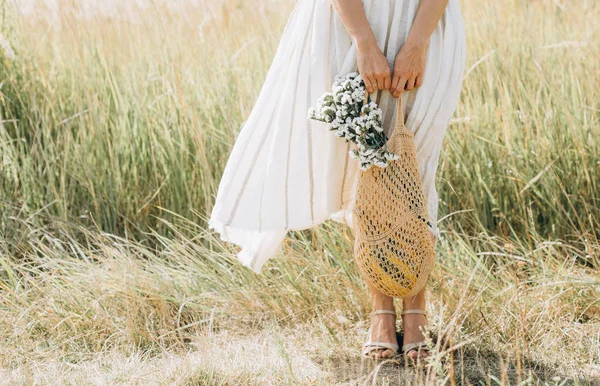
{"x":399,"y":111}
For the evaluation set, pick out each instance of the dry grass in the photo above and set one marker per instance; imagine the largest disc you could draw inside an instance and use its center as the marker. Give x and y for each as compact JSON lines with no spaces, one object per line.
{"x":117,"y":122}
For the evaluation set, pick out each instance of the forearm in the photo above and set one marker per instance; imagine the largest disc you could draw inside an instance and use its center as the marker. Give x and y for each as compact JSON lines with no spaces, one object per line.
{"x":352,"y":14}
{"x":427,"y":18}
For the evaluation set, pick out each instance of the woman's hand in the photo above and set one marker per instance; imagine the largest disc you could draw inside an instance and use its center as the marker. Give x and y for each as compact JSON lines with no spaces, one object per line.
{"x":373,"y":66}
{"x":409,"y":67}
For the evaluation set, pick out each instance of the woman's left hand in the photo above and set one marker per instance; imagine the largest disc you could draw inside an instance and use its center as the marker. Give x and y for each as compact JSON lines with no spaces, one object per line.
{"x":409,"y":67}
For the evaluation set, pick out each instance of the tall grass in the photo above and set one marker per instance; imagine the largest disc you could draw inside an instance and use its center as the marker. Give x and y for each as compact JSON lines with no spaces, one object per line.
{"x":525,"y":158}
{"x":117,"y":121}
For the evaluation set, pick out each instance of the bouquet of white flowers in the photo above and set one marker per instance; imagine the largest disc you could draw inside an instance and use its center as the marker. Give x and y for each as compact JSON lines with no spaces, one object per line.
{"x":354,"y":120}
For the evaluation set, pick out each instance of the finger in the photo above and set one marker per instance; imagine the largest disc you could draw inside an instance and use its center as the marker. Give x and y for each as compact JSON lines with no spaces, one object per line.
{"x":419,"y":81}
{"x":369,"y":84}
{"x":374,"y":85}
{"x":394,"y":84}
{"x":383,"y":80}
{"x":399,"y":87}
{"x":386,"y":82}
{"x":410,"y":84}
{"x":380,"y":82}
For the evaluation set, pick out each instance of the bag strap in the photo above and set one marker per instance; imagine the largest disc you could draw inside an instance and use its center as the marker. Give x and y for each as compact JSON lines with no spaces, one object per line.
{"x":399,"y":111}
{"x":399,"y":114}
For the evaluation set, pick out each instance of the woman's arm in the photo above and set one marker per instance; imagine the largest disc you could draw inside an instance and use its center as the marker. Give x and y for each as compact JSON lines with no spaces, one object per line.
{"x":410,"y":61}
{"x":372,"y":64}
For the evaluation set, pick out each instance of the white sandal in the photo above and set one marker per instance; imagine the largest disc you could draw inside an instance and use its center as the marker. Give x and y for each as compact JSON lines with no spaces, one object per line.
{"x":421,"y":345}
{"x":370,"y":345}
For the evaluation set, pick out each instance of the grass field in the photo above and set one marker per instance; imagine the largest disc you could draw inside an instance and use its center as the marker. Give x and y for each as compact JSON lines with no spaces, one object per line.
{"x":116,"y":122}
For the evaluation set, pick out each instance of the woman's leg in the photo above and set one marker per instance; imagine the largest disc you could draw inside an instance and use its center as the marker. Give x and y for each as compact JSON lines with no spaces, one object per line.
{"x":383,"y":326}
{"x":413,"y":322}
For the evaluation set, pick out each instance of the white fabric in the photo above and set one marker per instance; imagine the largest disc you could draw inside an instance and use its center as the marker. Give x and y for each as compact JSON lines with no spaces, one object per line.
{"x":287,"y":172}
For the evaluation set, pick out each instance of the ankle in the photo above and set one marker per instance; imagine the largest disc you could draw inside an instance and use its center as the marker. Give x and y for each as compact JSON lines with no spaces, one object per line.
{"x":383,"y":304}
{"x":419,"y":318}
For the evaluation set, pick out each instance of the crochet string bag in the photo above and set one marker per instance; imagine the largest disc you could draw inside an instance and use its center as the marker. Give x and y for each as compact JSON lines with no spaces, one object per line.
{"x":393,"y":247}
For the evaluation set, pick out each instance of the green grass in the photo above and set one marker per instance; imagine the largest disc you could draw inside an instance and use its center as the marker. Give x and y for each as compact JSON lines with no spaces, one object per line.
{"x":115,"y":131}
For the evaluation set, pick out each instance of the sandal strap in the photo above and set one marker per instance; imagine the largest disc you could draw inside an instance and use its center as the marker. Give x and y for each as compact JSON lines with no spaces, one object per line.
{"x":375,"y":312}
{"x":370,"y":346}
{"x":414,"y":311}
{"x":409,"y":346}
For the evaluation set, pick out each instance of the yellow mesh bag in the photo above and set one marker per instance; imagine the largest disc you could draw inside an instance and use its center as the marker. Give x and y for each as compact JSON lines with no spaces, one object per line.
{"x":393,"y":248}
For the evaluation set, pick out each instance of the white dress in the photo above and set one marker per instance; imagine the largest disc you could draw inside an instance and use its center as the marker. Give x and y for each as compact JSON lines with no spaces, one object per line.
{"x":288,"y":172}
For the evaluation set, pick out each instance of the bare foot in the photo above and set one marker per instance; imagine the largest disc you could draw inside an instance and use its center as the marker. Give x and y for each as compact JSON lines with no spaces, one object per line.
{"x":412,"y":334}
{"x":383,"y":329}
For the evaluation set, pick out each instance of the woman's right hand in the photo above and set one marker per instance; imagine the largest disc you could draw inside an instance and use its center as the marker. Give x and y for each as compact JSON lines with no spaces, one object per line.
{"x":372,"y":65}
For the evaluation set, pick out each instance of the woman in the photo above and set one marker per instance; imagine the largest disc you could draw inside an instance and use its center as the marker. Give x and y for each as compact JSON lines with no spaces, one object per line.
{"x":287,"y":172}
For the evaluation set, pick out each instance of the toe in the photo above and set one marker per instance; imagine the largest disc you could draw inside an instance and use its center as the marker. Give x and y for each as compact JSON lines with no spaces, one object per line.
{"x":414,"y":354}
{"x":381,"y":353}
